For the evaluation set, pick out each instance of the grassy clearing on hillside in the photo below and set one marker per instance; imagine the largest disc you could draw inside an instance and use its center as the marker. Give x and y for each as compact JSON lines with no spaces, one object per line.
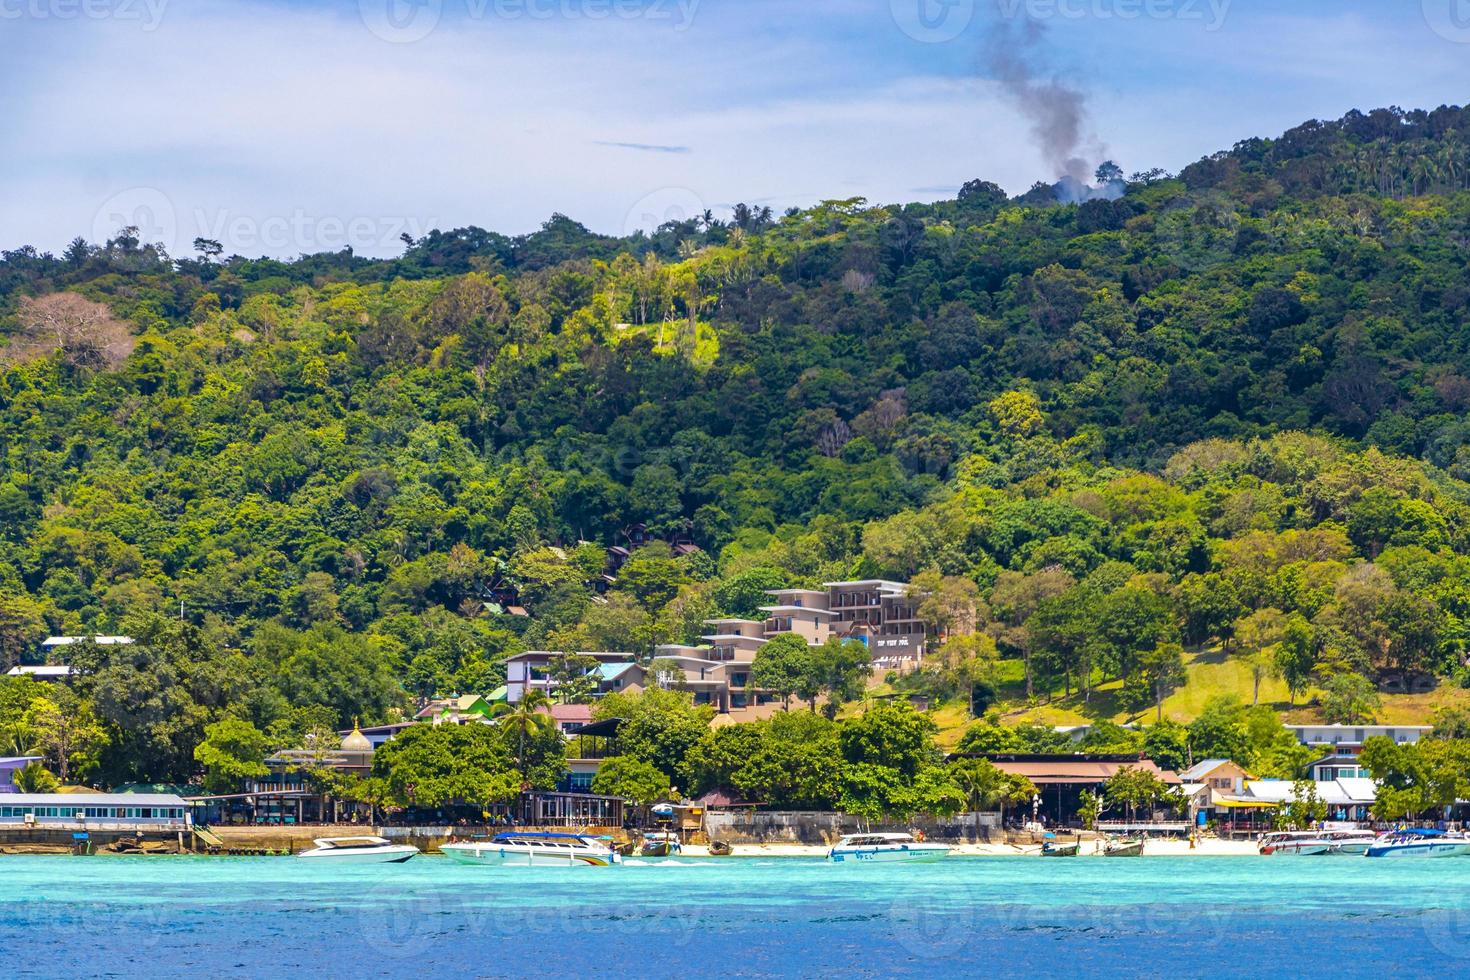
{"x":1208,"y":673}
{"x":665,"y":339}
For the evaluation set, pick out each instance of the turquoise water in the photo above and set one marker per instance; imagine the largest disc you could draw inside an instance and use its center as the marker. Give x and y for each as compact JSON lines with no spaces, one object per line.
{"x":1189,"y":917}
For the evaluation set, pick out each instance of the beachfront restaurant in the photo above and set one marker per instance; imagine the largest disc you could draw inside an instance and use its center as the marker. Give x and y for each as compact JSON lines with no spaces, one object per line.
{"x":1060,"y":780}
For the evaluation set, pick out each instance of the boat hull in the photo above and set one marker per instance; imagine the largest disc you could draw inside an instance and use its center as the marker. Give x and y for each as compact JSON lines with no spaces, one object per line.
{"x":909,"y":853}
{"x":376,"y":855}
{"x":1300,"y":849}
{"x":496,"y":855}
{"x":1426,"y":849}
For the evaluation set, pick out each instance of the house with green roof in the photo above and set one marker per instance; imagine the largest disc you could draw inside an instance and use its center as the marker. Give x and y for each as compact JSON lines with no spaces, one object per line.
{"x":456,"y":709}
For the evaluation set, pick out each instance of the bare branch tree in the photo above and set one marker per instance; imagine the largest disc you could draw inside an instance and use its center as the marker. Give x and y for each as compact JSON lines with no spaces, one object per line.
{"x":88,"y":336}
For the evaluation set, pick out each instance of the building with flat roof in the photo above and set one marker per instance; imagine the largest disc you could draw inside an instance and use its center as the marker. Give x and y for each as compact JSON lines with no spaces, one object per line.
{"x":880,"y":614}
{"x":41,"y":672}
{"x":532,"y":671}
{"x":1341,"y":745}
{"x":96,"y":811}
{"x":1353,"y":736}
{"x":1348,"y":800}
{"x":54,"y":642}
{"x":9,"y":766}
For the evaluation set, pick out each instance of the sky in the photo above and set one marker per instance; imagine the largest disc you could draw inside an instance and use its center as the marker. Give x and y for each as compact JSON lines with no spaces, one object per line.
{"x":282,"y":128}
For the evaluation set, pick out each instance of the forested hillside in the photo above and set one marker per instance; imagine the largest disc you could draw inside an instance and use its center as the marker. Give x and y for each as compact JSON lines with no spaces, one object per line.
{"x":1227,"y":408}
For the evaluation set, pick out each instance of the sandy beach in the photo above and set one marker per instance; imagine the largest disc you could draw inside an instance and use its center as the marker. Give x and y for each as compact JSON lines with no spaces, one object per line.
{"x":1207,"y":847}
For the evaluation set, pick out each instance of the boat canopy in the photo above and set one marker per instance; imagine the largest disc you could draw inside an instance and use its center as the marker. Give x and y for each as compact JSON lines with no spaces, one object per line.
{"x":1235,"y":803}
{"x":540,"y":835}
{"x":878,"y":838}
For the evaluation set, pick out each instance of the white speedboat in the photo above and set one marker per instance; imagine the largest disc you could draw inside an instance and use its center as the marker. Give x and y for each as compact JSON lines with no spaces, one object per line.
{"x":1319,"y":842}
{"x":884,"y":847}
{"x":359,"y":850}
{"x":1419,"y":844}
{"x":536,"y":849}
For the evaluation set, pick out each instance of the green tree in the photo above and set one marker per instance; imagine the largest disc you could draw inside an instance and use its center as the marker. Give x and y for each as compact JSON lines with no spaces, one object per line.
{"x":658,"y":727}
{"x":1259,"y":635}
{"x":1295,"y":653}
{"x":526,"y":723}
{"x":443,"y":765}
{"x":154,"y":697}
{"x":573,"y":678}
{"x":1167,"y":744}
{"x":1349,"y":699}
{"x":1416,"y":778}
{"x":35,"y":778}
{"x":233,"y":750}
{"x":742,"y":594}
{"x":888,"y":752}
{"x":1305,"y":809}
{"x":1219,"y":731}
{"x":66,"y":731}
{"x":1134,"y":788}
{"x":837,"y":669}
{"x":797,"y":763}
{"x":781,"y":665}
{"x":1162,"y":671}
{"x":633,"y":779}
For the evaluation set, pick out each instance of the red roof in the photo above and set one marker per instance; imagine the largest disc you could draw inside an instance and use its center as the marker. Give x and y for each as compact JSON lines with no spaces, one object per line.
{"x":573,"y":713}
{"x":1054,"y":771}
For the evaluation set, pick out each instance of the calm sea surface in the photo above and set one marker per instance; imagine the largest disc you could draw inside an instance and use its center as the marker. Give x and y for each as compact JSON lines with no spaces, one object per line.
{"x":163,"y":916}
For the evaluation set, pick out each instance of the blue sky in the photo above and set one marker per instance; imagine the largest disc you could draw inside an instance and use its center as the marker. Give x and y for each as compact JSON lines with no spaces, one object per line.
{"x":288,"y":127}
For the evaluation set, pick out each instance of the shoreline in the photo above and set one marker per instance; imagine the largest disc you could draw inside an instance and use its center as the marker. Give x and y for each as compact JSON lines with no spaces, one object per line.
{"x":1209,"y":847}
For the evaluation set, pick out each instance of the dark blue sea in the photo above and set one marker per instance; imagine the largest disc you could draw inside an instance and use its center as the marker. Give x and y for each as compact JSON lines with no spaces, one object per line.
{"x":737,"y":917}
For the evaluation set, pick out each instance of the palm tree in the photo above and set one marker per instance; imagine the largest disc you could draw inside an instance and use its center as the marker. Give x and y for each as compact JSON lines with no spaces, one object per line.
{"x":526,"y":719}
{"x":18,"y":738}
{"x":35,"y":778}
{"x":975,"y":781}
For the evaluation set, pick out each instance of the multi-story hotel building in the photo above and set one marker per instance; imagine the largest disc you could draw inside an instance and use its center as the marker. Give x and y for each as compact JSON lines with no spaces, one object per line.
{"x":880,"y":614}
